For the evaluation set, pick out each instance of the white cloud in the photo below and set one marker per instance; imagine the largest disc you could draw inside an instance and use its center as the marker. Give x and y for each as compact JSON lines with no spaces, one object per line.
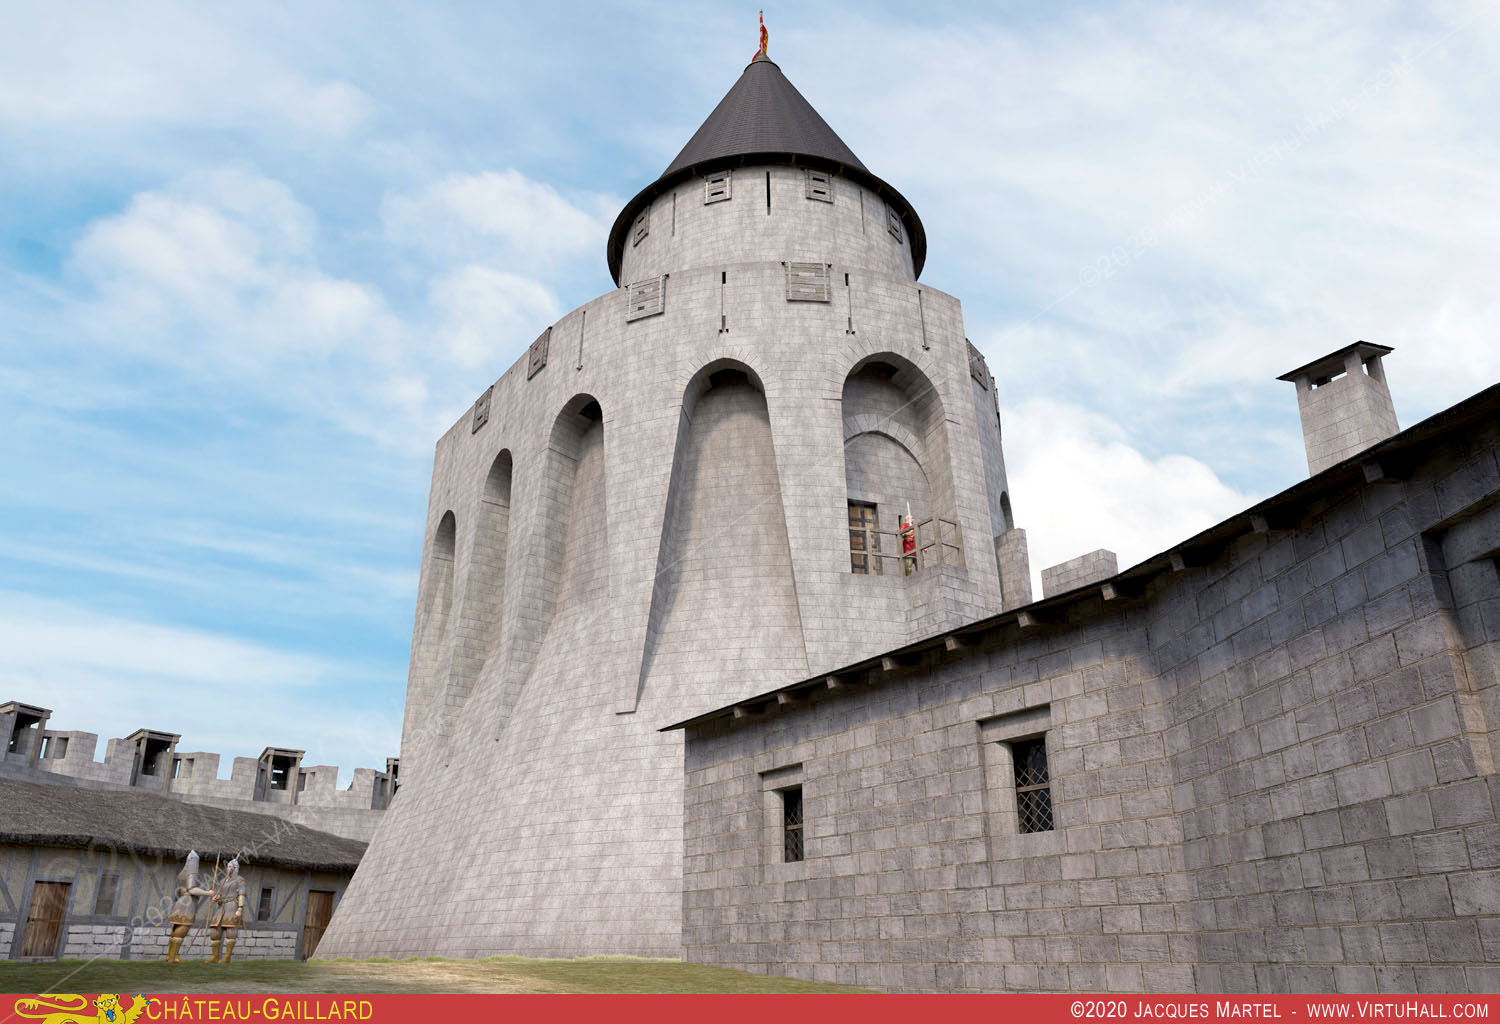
{"x":228,"y":254}
{"x":1077,"y":484}
{"x":495,"y":216}
{"x":484,"y":311}
{"x":112,"y":675}
{"x":1195,"y":199}
{"x":109,"y":68}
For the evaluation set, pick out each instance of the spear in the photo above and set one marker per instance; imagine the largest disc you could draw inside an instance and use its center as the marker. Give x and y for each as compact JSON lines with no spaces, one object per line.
{"x":193,"y":939}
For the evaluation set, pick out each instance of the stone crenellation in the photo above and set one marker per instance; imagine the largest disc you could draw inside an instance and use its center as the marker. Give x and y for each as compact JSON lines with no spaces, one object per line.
{"x":276,"y":783}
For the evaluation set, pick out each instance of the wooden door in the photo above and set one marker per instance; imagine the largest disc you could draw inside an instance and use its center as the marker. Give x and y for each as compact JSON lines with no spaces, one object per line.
{"x":319,"y":912}
{"x":49,"y":901}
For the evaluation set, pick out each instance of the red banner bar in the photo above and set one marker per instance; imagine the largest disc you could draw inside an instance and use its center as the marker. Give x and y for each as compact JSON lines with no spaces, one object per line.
{"x":745,"y":1009}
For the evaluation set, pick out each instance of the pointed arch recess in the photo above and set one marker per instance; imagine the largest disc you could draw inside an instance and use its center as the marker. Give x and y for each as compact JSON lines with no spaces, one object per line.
{"x":483,"y":606}
{"x":724,"y":562}
{"x":896,"y":446}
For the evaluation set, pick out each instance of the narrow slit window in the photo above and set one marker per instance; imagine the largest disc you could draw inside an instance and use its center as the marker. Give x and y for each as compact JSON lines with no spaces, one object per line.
{"x":791,"y":824}
{"x":263,"y":910}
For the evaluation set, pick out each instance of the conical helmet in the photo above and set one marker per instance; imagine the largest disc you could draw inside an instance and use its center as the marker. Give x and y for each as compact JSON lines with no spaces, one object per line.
{"x":192,"y":862}
{"x":234,"y":867}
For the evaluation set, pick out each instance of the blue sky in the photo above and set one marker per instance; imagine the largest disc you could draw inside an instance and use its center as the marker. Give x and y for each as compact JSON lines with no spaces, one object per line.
{"x":255,"y":258}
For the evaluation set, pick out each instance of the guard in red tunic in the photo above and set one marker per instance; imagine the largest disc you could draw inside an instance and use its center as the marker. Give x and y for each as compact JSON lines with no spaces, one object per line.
{"x":908,"y":545}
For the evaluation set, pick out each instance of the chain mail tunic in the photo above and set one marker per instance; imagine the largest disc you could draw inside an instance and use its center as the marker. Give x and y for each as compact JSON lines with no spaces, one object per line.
{"x":226,"y":904}
{"x":185,"y":907}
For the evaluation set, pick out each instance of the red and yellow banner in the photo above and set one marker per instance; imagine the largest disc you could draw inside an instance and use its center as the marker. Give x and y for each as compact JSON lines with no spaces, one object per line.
{"x":738,"y":1009}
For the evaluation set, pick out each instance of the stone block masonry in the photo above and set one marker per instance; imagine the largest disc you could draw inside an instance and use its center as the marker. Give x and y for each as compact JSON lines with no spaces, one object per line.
{"x":66,"y":758}
{"x":1076,"y":572}
{"x":1268,"y":754}
{"x":678,"y":535}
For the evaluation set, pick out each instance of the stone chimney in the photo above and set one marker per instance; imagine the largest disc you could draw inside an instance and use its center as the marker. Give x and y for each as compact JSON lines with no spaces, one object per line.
{"x":1345,"y":404}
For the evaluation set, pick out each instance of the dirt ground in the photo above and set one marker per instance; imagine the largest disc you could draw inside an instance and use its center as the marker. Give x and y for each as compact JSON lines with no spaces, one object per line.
{"x":499,"y":974}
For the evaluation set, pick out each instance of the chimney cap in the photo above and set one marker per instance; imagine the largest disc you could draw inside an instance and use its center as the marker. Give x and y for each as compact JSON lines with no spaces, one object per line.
{"x":1331,"y":365}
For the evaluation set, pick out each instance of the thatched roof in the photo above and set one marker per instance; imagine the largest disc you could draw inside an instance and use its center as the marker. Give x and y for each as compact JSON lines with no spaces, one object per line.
{"x":35,"y":814}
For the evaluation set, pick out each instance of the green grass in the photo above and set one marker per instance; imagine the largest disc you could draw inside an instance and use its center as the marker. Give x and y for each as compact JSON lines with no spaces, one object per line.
{"x":431,"y":974}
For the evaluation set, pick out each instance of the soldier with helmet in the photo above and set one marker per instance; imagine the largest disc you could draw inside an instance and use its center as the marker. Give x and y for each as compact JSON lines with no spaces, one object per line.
{"x":228,"y":913}
{"x":184,"y":907}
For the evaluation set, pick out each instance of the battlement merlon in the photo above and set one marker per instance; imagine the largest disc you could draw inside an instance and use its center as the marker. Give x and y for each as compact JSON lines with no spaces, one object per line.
{"x":150,"y":759}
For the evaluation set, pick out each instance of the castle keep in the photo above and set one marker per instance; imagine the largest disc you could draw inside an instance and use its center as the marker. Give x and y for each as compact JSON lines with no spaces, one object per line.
{"x":686,"y":680}
{"x":686,"y":493}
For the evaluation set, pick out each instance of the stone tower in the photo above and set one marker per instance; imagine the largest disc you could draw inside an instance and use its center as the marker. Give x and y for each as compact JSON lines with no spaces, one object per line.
{"x":686,"y":493}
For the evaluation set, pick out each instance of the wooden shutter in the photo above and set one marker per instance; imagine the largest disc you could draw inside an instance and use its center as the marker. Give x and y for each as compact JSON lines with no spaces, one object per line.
{"x":104,"y":899}
{"x":807,"y":282}
{"x":642,"y":227}
{"x":481,"y":417}
{"x":49,"y":902}
{"x":820,"y":186}
{"x":539,"y":353}
{"x":893,"y":223}
{"x":716,"y":187}
{"x":646,"y":298}
{"x":977,"y":367}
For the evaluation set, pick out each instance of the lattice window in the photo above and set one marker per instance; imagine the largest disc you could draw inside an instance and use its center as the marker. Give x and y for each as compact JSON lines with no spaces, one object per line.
{"x":791,"y":824}
{"x":642,"y":228}
{"x":716,"y":187}
{"x":646,"y":298}
{"x":819,"y":186}
{"x":807,"y":282}
{"x":482,"y":409}
{"x":109,"y":889}
{"x":893,"y":223}
{"x":538,"y":353}
{"x":863,"y":538}
{"x":1033,"y":785}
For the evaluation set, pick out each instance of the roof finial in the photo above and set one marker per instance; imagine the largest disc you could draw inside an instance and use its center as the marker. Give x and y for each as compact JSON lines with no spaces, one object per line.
{"x":761,"y":53}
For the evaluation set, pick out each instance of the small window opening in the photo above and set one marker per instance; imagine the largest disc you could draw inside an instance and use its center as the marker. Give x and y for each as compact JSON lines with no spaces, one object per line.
{"x":104,"y":899}
{"x":1033,"y":785}
{"x":263,"y":910}
{"x":864,"y":538}
{"x":791,"y":819}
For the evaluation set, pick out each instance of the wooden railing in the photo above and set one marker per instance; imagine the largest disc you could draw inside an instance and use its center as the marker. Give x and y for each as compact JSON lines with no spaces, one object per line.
{"x":937,"y":544}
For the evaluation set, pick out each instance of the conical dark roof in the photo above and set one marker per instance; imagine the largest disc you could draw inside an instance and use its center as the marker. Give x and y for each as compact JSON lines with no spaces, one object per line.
{"x":764,"y":119}
{"x":763,"y":113}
